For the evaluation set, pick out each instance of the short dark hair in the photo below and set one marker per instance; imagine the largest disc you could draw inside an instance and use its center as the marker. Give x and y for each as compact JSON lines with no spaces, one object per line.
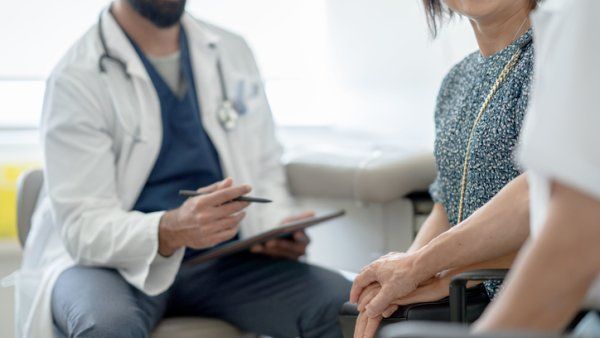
{"x":436,"y":12}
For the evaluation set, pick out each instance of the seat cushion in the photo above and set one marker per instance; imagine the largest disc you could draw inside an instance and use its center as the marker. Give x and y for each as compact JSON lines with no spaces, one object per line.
{"x":368,"y":176}
{"x":193,"y":327}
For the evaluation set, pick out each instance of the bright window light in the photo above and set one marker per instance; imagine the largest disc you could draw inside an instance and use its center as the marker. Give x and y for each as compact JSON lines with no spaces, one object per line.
{"x":20,"y":103}
{"x":290,"y":52}
{"x":362,"y":64}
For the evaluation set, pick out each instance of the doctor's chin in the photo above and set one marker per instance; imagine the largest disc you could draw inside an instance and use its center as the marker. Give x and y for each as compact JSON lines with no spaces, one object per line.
{"x":313,"y":169}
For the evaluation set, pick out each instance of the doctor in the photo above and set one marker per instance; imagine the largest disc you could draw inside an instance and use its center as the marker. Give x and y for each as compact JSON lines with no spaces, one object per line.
{"x":150,"y":101}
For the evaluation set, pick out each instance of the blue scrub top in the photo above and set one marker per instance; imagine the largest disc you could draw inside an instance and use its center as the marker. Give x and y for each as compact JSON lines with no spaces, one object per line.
{"x":187,"y":157}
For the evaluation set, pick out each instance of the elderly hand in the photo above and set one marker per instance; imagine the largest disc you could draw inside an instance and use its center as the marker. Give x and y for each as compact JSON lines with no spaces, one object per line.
{"x":366,"y":327}
{"x":431,"y":290}
{"x":290,"y":248}
{"x":398,"y":276}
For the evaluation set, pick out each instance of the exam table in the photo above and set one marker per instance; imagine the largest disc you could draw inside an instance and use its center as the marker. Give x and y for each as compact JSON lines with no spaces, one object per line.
{"x":382,"y":188}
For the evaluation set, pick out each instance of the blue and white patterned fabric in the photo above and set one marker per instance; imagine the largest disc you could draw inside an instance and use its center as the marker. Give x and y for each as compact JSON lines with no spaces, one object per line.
{"x":491,"y":164}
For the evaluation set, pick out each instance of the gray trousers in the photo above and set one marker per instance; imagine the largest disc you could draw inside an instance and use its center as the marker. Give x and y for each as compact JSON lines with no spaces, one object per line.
{"x":275,"y":297}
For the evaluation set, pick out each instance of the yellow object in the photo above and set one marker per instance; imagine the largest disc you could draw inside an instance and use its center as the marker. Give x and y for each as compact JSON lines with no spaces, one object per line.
{"x":9,"y":174}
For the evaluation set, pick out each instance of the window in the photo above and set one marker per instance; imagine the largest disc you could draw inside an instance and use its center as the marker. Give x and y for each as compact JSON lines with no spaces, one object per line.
{"x":36,"y":34}
{"x":288,"y":48}
{"x":364,"y":64}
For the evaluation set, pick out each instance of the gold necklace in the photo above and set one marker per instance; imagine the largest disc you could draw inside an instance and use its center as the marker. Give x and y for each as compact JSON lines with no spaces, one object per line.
{"x":463,"y":183}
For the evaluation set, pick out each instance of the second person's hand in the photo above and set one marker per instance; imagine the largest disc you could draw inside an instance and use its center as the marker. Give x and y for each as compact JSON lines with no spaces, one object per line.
{"x":366,"y":327}
{"x":398,"y":275}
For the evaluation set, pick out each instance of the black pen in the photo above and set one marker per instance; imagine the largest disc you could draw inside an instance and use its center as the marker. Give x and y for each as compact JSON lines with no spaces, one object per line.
{"x":193,"y":193}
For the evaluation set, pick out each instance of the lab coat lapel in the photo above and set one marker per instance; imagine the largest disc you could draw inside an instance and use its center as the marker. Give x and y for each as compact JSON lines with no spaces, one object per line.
{"x":118,"y":45}
{"x":204,"y":55}
{"x":145,"y":150}
{"x":135,"y":167}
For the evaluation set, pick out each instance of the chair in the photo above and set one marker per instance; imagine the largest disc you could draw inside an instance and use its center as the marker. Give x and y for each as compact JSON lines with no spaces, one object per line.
{"x":459,"y":298}
{"x":474,"y":299}
{"x":460,"y":316}
{"x":29,"y":187}
{"x":462,"y":307}
{"x":458,"y":289}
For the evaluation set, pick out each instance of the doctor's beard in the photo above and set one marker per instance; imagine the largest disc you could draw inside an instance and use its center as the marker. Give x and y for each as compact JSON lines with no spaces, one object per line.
{"x":163,"y":13}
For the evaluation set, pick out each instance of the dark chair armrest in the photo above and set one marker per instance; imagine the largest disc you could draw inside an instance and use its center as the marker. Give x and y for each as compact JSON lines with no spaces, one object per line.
{"x":484,"y":274}
{"x":458,"y":287}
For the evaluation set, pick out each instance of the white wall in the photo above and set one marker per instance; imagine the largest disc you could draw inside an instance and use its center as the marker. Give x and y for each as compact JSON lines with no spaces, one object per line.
{"x":354,"y":64}
{"x":365,"y":64}
{"x":37,"y":32}
{"x":386,"y":66}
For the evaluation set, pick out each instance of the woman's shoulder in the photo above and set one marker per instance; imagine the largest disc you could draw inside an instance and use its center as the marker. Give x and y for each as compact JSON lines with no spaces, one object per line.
{"x":458,"y":74}
{"x":461,"y":68}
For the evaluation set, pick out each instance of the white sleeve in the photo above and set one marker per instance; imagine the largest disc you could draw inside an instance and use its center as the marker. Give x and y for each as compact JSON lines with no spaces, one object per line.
{"x":561,"y":139}
{"x":81,"y":178}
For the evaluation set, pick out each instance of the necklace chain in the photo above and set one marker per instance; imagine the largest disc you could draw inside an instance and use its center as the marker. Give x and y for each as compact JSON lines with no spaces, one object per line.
{"x":463,"y":183}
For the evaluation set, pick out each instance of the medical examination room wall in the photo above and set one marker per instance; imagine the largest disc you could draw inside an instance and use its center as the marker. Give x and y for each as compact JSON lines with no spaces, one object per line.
{"x":358,"y":72}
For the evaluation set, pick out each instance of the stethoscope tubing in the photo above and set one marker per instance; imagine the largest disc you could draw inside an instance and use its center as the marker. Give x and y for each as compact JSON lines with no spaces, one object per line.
{"x":225,"y":99}
{"x":106,"y":55}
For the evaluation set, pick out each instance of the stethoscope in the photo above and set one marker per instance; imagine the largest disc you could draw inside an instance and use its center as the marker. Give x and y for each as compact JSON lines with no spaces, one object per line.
{"x":226,"y":113}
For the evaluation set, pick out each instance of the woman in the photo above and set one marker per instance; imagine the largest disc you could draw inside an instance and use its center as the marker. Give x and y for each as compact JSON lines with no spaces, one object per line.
{"x":479,"y":192}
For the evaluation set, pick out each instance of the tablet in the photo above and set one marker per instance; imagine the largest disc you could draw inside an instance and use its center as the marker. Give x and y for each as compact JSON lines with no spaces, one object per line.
{"x":282,"y":231}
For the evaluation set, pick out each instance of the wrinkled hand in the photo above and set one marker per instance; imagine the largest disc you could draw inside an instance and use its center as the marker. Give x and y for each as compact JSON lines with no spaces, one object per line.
{"x":431,"y":290}
{"x":398,"y":277}
{"x":366,"y":327}
{"x":290,"y":248}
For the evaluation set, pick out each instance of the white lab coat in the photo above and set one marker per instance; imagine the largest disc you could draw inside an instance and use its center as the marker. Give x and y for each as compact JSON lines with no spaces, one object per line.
{"x":101,"y":135}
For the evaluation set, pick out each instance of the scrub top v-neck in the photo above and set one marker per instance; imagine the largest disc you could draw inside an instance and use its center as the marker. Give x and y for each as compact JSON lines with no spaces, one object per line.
{"x":187,"y":157}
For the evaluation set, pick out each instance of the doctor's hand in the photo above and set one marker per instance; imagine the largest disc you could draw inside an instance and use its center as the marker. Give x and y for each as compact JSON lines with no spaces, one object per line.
{"x":290,"y":248}
{"x":203,"y":221}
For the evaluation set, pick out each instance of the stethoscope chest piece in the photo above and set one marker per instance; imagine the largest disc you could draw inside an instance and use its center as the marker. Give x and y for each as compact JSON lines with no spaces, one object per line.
{"x":228,"y":116}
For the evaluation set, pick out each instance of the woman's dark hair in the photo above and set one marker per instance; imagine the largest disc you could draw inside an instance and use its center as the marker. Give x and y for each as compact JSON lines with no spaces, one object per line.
{"x":436,"y":12}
